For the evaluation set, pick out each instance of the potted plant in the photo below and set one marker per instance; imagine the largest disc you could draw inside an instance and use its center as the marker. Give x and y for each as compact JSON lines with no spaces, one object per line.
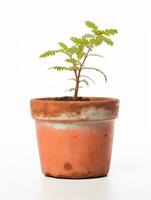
{"x":75,"y":133}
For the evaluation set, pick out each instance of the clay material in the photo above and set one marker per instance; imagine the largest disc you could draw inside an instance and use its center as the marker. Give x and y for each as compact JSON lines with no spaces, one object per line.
{"x":75,"y":137}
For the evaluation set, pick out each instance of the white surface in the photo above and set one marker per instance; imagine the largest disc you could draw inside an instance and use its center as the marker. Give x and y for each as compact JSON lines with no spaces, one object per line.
{"x":30,"y":27}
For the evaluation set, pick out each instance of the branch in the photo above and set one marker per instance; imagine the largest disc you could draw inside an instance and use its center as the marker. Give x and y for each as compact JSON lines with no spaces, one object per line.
{"x":82,"y":64}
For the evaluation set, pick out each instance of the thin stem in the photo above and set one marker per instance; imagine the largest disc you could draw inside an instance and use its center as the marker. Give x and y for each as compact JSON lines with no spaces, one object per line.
{"x":78,"y":75}
{"x":75,"y":73}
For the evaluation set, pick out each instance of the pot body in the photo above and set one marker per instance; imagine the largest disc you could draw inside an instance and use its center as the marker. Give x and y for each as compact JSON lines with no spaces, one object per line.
{"x":75,"y":138}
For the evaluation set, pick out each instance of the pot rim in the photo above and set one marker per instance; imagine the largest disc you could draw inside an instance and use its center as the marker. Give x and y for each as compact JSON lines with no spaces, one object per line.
{"x":91,"y":99}
{"x":97,"y":108}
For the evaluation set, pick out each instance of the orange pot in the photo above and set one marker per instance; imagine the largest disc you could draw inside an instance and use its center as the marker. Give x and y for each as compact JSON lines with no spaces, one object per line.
{"x":75,"y":137}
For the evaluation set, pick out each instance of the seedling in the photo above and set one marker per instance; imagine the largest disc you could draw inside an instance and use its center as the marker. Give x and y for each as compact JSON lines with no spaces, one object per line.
{"x":79,"y":51}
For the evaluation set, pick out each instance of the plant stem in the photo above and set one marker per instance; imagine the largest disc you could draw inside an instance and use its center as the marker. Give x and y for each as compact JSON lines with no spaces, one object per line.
{"x":77,"y":75}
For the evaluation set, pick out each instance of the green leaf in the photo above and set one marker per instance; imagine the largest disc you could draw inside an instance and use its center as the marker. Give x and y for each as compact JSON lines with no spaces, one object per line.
{"x":79,"y":41}
{"x":71,"y":60}
{"x":96,"y":41}
{"x":48,"y":53}
{"x":73,"y":68}
{"x":76,"y":40}
{"x":80,"y":53}
{"x":107,"y":40}
{"x":72,"y":49}
{"x":98,"y":70}
{"x":88,"y":78}
{"x":91,"y":25}
{"x":70,"y":89}
{"x":63,"y":45}
{"x":59,"y":68}
{"x":62,"y":68}
{"x":98,"y":55}
{"x":85,"y":81}
{"x":72,"y":79}
{"x":109,"y":32}
{"x":87,"y":36}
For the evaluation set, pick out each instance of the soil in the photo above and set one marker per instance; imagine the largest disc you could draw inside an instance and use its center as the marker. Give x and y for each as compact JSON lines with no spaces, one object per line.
{"x":67,"y":98}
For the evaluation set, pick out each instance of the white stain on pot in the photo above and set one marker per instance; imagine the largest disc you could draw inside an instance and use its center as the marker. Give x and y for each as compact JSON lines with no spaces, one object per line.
{"x":86,"y":114}
{"x":61,"y":125}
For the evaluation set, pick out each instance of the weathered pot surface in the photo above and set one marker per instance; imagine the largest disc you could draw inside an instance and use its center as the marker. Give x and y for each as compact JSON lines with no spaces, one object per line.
{"x":75,"y":137}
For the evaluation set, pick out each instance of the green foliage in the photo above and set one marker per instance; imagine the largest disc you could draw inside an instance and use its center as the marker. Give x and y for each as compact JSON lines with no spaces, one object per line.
{"x":70,"y":89}
{"x":94,"y":54}
{"x":49,"y":53}
{"x":72,"y":79}
{"x":109,"y":32}
{"x":72,"y":50}
{"x":71,"y":60}
{"x":63,"y":68}
{"x":96,"y":41}
{"x":76,"y":40}
{"x":73,"y":89}
{"x":77,"y":54}
{"x":80,"y":42}
{"x":107,"y":40}
{"x":59,"y":68}
{"x":80,"y":53}
{"x":88,"y":36}
{"x":98,"y":70}
{"x":85,"y":81}
{"x":63,"y":46}
{"x":73,"y":68}
{"x":92,"y":26}
{"x":88,"y":78}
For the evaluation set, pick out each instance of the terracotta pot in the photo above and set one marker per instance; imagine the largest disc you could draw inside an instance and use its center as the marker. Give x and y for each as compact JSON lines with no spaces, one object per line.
{"x":75,"y":137}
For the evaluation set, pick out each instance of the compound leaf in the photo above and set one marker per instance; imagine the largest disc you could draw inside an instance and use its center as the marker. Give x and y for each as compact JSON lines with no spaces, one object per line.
{"x":98,"y":70}
{"x":87,"y":36}
{"x":80,"y":53}
{"x":48,"y":53}
{"x":72,"y":79}
{"x":73,"y":68}
{"x":98,"y":55}
{"x":70,"y":89}
{"x":107,"y":40}
{"x":109,"y":32}
{"x":71,"y":60}
{"x":85,"y":81}
{"x":76,"y":40}
{"x":72,"y":49}
{"x":59,"y":68}
{"x":63,"y":45}
{"x":96,"y":41}
{"x":63,"y":68}
{"x":91,"y":25}
{"x":88,"y":78}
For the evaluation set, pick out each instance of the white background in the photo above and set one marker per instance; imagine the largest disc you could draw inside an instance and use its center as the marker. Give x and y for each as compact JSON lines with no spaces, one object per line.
{"x":27,"y":28}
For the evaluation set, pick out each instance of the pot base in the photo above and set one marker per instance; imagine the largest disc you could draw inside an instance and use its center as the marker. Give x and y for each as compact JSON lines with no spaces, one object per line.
{"x":76,"y":176}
